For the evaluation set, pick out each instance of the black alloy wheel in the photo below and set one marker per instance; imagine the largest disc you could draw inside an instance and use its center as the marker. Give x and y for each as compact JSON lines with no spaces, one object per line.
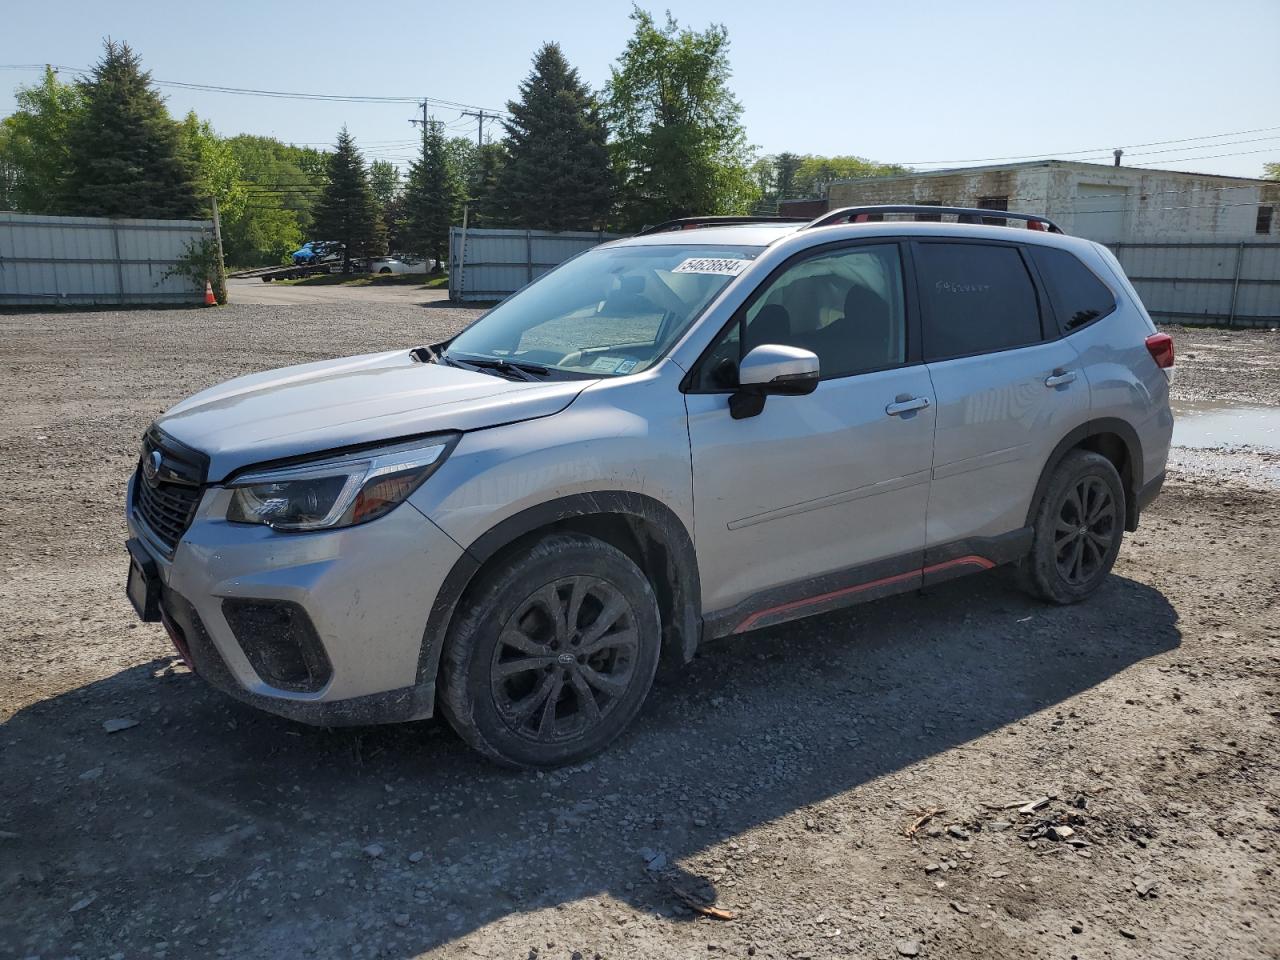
{"x":1077,"y":528}
{"x":1084,"y":531}
{"x":551,"y":652}
{"x":565,"y":659}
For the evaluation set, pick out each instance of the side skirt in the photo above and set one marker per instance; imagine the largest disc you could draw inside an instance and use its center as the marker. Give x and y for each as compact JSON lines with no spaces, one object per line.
{"x":870,"y":581}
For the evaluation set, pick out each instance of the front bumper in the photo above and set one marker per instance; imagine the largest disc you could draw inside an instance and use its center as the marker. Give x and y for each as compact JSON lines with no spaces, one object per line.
{"x":363,"y":593}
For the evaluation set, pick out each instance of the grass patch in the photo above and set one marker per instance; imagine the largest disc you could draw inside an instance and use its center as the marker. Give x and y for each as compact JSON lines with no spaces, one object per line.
{"x":429,"y":281}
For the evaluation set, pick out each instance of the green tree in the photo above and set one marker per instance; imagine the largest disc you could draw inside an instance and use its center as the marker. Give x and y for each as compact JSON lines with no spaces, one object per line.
{"x":790,"y":176}
{"x":215,"y":167}
{"x":478,"y":171}
{"x":9,"y":172}
{"x":35,"y":150}
{"x":432,"y":195}
{"x":1271,"y":171}
{"x":126,"y":159}
{"x":558,"y":174}
{"x":461,"y":154}
{"x":346,"y":210}
{"x":485,"y":186}
{"x":786,"y":167}
{"x":384,"y":181}
{"x":814,"y":174}
{"x":678,"y":141}
{"x":280,"y":193}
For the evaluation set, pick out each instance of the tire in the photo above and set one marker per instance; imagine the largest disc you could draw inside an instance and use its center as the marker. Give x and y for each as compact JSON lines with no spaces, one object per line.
{"x":384,"y":270}
{"x":1078,"y":527}
{"x":525,"y":704}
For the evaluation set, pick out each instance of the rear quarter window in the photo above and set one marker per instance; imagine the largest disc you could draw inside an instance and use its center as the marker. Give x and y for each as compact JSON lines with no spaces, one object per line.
{"x":1077,"y":295}
{"x":975,"y":299}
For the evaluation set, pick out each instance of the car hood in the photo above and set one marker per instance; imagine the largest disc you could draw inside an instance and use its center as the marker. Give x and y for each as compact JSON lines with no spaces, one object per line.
{"x":339,"y":403}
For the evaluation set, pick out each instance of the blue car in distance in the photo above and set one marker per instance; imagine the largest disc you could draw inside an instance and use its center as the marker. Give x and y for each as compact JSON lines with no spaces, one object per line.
{"x":317,"y":251}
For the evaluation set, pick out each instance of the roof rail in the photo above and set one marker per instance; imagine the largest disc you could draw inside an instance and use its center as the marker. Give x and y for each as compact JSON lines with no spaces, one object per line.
{"x":1034,"y":221}
{"x":693,"y":223}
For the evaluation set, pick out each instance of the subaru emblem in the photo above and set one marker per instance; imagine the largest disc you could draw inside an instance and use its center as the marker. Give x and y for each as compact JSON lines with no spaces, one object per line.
{"x":151,"y":467}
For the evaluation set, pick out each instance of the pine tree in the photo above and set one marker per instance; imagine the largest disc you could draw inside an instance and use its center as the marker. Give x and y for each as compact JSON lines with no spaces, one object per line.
{"x":432,"y":196}
{"x":558,"y":175}
{"x":347,"y":211}
{"x":484,"y":187}
{"x":125,"y":156}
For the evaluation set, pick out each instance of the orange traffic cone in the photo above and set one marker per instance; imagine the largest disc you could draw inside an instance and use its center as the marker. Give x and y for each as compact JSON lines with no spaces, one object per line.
{"x":209,"y":299}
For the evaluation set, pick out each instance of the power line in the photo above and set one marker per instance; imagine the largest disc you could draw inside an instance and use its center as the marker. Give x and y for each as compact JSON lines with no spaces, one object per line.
{"x":1072,"y":153}
{"x":279,"y":94}
{"x":1212,"y":156}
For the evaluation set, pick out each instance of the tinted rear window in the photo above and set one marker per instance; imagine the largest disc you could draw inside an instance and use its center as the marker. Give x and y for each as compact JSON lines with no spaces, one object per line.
{"x":1078,"y":297}
{"x":975,"y":299}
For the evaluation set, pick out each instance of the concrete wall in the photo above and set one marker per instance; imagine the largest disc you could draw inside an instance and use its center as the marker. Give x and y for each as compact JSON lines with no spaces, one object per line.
{"x":95,"y":260}
{"x":1098,"y":201}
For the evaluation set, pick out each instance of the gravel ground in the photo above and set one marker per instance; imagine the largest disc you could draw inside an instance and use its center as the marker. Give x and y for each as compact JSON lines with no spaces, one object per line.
{"x":778,"y":778}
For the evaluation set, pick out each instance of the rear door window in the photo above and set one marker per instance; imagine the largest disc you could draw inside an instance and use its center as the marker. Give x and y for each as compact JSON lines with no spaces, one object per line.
{"x":975,"y":298}
{"x":1077,"y":295}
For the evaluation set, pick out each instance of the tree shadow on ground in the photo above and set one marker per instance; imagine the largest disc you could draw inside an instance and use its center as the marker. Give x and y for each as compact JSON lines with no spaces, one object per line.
{"x":444,"y":303}
{"x":211,"y":827}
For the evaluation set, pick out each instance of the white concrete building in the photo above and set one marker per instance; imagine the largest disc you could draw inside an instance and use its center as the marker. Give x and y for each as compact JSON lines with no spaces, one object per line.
{"x":1102,"y":202}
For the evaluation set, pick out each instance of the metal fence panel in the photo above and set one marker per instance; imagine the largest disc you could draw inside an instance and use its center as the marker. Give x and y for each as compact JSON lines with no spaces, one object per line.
{"x":95,"y":260}
{"x":497,"y":262}
{"x":1235,"y":284}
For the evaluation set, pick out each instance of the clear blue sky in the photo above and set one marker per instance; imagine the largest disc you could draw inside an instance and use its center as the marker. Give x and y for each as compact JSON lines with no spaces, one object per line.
{"x":903,"y":81}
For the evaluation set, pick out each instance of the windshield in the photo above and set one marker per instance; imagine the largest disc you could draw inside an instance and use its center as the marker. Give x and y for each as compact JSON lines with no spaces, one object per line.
{"x":609,"y":312}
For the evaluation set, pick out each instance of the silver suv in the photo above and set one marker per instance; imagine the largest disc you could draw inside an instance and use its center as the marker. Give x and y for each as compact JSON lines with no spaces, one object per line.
{"x":675,"y":437}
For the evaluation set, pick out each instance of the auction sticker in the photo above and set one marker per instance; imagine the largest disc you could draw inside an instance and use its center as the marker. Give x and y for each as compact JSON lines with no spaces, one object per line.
{"x":606,"y":364}
{"x":720,"y":266}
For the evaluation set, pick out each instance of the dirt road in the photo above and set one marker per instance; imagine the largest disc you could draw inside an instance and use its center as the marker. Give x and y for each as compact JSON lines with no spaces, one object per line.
{"x":777,"y":778}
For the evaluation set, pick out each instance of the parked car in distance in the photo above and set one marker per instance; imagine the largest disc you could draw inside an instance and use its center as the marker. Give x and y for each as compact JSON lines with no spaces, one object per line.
{"x":679,"y":436}
{"x":397,"y":264}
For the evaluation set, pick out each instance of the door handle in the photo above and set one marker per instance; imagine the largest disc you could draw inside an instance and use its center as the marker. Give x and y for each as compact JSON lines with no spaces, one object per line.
{"x":904,"y":404}
{"x":1060,"y":378}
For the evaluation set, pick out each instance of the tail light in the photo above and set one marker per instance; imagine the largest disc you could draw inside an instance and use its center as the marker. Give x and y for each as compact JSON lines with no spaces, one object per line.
{"x":1160,"y":346}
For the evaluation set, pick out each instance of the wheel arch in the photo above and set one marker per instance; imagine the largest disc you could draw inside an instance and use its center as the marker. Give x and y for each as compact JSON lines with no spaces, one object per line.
{"x":645,"y":529}
{"x":1112,"y":438}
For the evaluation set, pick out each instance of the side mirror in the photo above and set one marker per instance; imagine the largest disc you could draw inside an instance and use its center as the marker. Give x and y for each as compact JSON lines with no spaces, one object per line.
{"x":773,"y":369}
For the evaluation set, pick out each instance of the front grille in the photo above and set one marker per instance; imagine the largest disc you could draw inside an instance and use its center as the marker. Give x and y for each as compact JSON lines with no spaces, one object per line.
{"x":166,"y":499}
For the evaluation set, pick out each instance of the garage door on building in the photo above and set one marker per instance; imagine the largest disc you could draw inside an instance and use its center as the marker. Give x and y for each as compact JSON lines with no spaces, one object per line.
{"x":1100,"y":211}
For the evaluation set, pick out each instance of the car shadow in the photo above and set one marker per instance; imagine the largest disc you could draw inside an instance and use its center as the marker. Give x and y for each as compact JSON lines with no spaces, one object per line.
{"x":212,"y":827}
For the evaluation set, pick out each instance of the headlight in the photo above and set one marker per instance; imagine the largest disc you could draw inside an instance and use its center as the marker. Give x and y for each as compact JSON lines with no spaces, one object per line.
{"x":336,"y":492}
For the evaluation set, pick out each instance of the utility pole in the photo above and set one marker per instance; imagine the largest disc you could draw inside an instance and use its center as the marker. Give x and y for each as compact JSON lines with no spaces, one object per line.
{"x":424,"y":121}
{"x":480,"y":116}
{"x":217,"y":228}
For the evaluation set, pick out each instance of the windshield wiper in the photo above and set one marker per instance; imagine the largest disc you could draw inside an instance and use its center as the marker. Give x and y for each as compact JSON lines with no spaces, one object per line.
{"x":529,"y":372}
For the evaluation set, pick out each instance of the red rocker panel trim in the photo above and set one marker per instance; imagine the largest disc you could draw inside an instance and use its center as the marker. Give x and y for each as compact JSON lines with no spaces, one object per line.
{"x":972,"y":560}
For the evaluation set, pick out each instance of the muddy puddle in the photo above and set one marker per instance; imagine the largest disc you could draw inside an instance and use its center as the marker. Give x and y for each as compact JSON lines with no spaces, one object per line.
{"x":1210,"y":426}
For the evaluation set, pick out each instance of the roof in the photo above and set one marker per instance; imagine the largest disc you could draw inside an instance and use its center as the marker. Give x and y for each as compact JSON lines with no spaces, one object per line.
{"x":1109,"y":168}
{"x":755,"y":235}
{"x":747,"y":234}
